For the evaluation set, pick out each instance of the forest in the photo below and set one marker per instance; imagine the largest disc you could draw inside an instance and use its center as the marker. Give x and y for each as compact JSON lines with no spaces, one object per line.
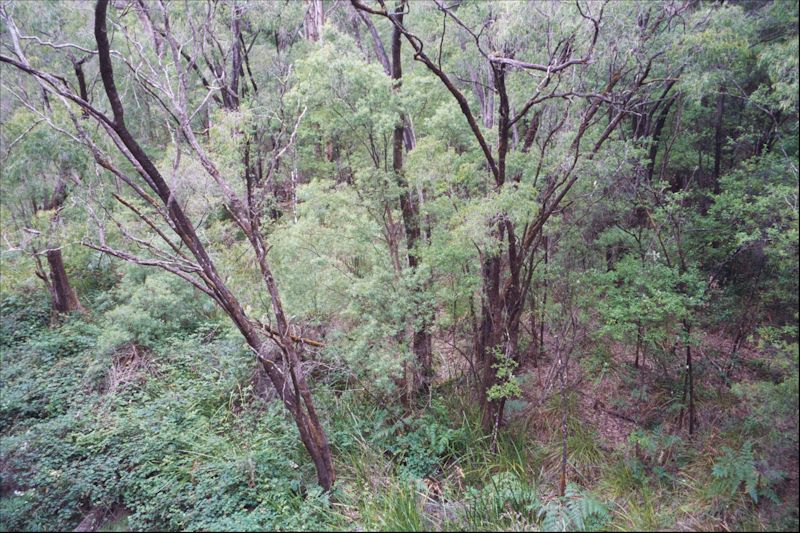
{"x":399,"y":265}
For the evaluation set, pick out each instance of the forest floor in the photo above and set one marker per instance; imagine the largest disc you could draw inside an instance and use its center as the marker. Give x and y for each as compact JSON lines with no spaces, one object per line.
{"x":614,"y":399}
{"x":427,"y":468}
{"x":620,"y":415}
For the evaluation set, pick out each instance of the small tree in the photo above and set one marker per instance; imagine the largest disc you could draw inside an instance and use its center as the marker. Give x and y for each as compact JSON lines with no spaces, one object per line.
{"x":38,"y":170}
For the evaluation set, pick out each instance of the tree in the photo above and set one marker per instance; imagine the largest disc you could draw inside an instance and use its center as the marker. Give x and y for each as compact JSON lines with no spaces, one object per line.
{"x":556,"y":130}
{"x":40,"y":185}
{"x":37,"y":173}
{"x":188,"y":257}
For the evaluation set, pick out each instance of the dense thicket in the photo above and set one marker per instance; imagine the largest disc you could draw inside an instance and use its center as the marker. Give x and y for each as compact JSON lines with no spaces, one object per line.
{"x":399,"y":265}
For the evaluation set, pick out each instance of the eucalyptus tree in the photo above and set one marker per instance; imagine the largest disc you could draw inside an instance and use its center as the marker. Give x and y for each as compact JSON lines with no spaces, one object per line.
{"x":558,"y":103}
{"x":160,"y":45}
{"x":357,"y":114}
{"x":38,"y":170}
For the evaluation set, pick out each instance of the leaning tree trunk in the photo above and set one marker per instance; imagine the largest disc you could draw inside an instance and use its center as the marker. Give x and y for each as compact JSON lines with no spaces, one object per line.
{"x":289,"y":381}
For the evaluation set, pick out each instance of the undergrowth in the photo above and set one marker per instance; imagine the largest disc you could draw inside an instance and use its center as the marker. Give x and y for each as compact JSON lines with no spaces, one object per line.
{"x":171,"y":430}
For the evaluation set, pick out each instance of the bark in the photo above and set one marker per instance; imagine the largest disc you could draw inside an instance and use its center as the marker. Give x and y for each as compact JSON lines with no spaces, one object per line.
{"x":314,"y":20}
{"x":544,"y":296}
{"x":380,"y":51}
{"x":77,"y":66}
{"x":688,"y":384}
{"x":65,"y":299}
{"x":718,"y":138}
{"x":562,"y":484}
{"x":231,"y":97}
{"x":490,"y":340}
{"x":655,"y":138}
{"x":638,"y":343}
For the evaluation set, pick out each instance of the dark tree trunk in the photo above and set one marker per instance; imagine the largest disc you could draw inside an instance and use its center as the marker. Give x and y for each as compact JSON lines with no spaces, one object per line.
{"x":690,"y":373}
{"x":64,"y":297}
{"x":644,"y":129}
{"x":65,"y":300}
{"x":421,"y":338}
{"x":562,"y":381}
{"x":638,"y":343}
{"x":544,"y":295}
{"x":490,"y":340}
{"x":232,"y":92}
{"x":688,"y":385}
{"x":656,"y":138}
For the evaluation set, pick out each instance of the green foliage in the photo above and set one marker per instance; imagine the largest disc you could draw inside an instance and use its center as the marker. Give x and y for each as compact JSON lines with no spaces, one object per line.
{"x":21,"y":315}
{"x":404,"y":513}
{"x":575,"y":511}
{"x":150,"y":307}
{"x":421,"y":445}
{"x":41,"y":374}
{"x":736,"y":470}
{"x":508,"y":386}
{"x":504,"y":500}
{"x":598,"y":363}
{"x":165,"y":441}
{"x":647,"y":293}
{"x":150,"y":403}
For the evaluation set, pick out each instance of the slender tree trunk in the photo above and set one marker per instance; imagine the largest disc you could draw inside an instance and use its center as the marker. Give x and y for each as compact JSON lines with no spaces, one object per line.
{"x":544,"y":296}
{"x":638,"y":343}
{"x":718,"y":138}
{"x":688,"y":385}
{"x":562,"y":484}
{"x":421,"y":338}
{"x":690,"y":377}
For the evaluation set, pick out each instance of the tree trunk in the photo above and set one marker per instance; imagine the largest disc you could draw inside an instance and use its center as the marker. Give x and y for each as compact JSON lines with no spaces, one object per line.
{"x":638,"y":343}
{"x":688,"y":385}
{"x":690,"y":376}
{"x":544,"y":296}
{"x":489,"y":340}
{"x":718,"y":138}
{"x":562,"y":484}
{"x":65,"y":300}
{"x":421,"y":338}
{"x":314,"y":20}
{"x":231,"y":92}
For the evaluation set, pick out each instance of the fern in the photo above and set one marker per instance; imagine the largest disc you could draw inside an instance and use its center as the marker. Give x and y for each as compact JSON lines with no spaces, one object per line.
{"x":736,"y":469}
{"x":506,"y":497}
{"x":576,"y":511}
